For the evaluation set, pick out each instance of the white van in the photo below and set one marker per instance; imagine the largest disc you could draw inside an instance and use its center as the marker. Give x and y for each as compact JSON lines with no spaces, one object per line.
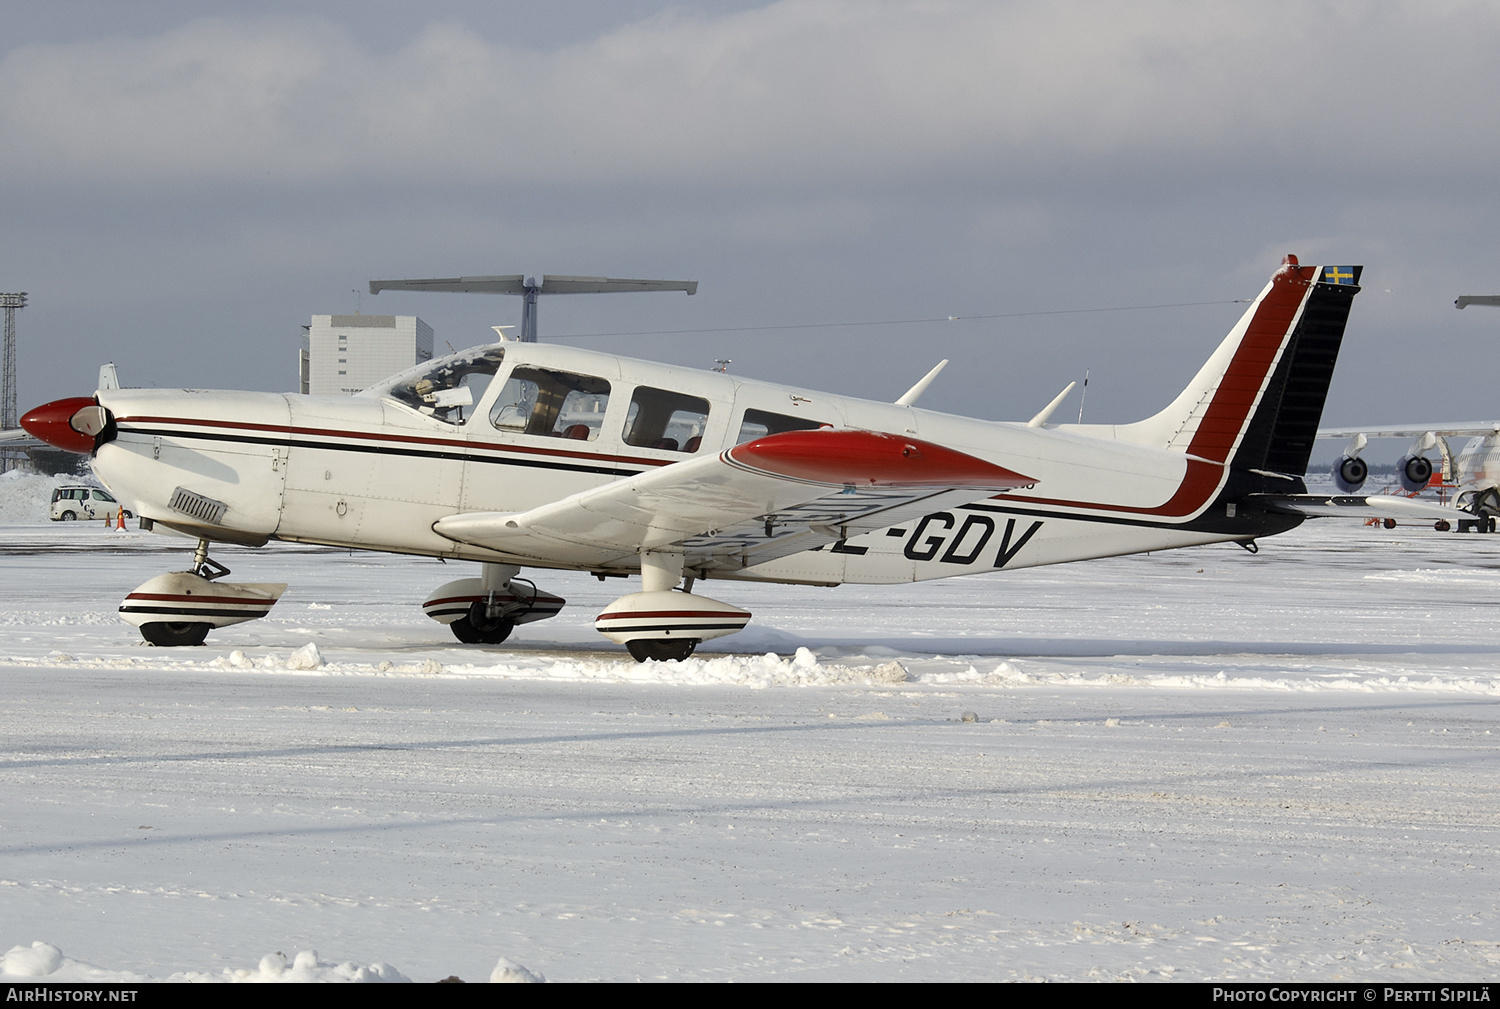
{"x":69,"y":503}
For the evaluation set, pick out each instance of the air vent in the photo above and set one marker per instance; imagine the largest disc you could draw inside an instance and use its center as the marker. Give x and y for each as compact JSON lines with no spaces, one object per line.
{"x":204,"y":509}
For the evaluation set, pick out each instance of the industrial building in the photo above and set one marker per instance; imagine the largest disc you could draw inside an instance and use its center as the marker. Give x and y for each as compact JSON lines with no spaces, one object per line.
{"x":342,"y":354}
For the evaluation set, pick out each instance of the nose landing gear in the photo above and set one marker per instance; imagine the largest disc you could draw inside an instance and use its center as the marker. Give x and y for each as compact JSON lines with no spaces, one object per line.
{"x":180,"y":608}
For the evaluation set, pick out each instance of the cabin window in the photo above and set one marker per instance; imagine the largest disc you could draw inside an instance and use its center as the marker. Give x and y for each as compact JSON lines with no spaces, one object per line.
{"x":759,"y":423}
{"x":445,"y":389}
{"x":552,"y":404}
{"x":666,"y":420}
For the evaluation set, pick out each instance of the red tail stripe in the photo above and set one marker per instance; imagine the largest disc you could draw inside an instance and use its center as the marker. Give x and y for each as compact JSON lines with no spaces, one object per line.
{"x":1238,"y":391}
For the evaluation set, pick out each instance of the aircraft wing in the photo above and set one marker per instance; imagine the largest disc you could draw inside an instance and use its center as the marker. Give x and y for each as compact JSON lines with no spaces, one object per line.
{"x":1469,"y":429}
{"x":1356,"y":506}
{"x":764,"y":499}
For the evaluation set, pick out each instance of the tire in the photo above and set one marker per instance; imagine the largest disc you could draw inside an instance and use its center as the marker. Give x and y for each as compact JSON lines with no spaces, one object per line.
{"x":477,"y":629}
{"x":661,"y":649}
{"x":69,"y":516}
{"x":173,"y":635}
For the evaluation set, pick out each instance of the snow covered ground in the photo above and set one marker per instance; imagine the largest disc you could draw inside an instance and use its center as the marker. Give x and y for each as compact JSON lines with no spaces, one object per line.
{"x":1195,"y":765}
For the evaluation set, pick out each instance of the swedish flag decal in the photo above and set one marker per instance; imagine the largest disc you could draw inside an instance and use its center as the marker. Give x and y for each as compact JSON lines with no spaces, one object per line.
{"x":1338,"y":275}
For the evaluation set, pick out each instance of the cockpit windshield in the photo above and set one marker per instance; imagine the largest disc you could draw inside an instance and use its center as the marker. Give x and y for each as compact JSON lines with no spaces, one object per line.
{"x":446,"y":389}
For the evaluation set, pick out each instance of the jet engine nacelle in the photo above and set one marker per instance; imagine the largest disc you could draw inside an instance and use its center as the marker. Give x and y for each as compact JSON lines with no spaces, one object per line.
{"x":1414,"y":471}
{"x":1350,"y":473}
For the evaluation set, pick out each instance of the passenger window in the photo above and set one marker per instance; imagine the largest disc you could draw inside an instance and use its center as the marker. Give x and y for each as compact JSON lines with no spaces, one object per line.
{"x":552,"y":404}
{"x":665,"y":420}
{"x":759,"y":423}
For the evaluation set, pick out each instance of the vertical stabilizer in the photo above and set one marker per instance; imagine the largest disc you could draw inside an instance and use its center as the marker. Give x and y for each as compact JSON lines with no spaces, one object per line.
{"x":1256,"y":404}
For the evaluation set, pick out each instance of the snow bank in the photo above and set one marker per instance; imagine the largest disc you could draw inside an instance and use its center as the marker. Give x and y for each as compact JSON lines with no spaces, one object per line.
{"x":44,"y":960}
{"x":510,"y":972}
{"x":305,"y":968}
{"x":770,"y":670}
{"x":1207,"y":671}
{"x":27,"y":497}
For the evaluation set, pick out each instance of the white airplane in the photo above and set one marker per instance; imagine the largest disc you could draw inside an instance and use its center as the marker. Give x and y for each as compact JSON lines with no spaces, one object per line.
{"x":525,"y":455}
{"x":1473,"y":469}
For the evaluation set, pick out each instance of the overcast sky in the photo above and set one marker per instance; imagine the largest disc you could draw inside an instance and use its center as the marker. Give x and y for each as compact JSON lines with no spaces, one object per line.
{"x":187,"y":183}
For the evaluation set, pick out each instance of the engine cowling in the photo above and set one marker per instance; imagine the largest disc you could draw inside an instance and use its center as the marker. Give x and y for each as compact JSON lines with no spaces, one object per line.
{"x":1414,"y":471}
{"x":1350,"y":473}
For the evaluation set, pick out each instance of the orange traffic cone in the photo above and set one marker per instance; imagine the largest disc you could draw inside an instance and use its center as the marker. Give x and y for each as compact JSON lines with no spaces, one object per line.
{"x":121,"y":526}
{"x":109,"y":523}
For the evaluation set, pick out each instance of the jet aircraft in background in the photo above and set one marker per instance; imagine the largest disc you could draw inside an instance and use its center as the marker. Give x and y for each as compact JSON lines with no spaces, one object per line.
{"x":1474,"y":470}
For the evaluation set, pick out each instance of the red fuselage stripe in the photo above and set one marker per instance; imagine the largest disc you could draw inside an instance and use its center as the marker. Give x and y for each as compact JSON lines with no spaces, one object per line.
{"x":370,"y":436}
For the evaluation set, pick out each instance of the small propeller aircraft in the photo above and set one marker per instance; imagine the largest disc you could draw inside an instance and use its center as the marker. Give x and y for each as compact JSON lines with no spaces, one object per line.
{"x":527,"y":455}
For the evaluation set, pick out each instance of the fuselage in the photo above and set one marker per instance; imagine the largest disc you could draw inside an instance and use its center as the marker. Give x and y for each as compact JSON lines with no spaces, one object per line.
{"x":515,"y":426}
{"x":1478,"y":465}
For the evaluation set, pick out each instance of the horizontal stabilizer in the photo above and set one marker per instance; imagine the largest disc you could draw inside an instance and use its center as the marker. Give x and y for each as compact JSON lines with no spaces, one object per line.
{"x":1354,"y":506}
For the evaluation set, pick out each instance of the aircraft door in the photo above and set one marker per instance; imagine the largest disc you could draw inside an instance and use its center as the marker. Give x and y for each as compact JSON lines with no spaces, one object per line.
{"x":540,"y":434}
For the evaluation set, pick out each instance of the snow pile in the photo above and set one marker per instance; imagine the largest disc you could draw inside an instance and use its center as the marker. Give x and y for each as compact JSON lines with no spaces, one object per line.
{"x":27,"y":497}
{"x":44,"y":960}
{"x":305,"y":658}
{"x":305,"y":968}
{"x":769,"y":670}
{"x":510,"y":972}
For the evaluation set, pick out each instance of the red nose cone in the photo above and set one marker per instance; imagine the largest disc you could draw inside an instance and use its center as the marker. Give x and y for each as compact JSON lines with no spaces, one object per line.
{"x":52,"y":423}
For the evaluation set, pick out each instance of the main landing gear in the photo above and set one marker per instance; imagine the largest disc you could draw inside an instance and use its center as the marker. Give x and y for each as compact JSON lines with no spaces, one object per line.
{"x":658,"y":623}
{"x":661,"y":623}
{"x":1485,"y":507}
{"x":180,"y":608}
{"x":484,"y":610}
